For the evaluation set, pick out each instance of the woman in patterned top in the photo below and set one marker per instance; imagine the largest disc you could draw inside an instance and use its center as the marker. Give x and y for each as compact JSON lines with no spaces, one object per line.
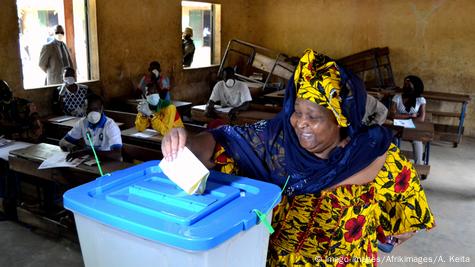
{"x":348,"y":186}
{"x":70,"y":97}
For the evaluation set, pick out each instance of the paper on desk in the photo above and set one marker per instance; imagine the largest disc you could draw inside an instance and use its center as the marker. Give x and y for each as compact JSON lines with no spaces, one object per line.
{"x":58,"y":159}
{"x":145,"y":134}
{"x":224,"y":110}
{"x":14,"y":145}
{"x":186,"y":171}
{"x":408,"y":123}
{"x":62,"y":118}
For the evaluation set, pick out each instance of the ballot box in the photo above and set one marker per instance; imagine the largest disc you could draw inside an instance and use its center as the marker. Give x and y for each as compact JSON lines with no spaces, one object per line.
{"x":138,"y":217}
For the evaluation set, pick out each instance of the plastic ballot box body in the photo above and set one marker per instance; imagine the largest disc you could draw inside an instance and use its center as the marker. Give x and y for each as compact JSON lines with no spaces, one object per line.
{"x":138,"y":217}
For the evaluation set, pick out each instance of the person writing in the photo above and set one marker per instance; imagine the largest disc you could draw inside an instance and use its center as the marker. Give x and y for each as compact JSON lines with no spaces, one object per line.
{"x":348,"y":186}
{"x":70,"y":97}
{"x":229,"y":92}
{"x":157,"y":113}
{"x":54,"y":57}
{"x":103,"y":132}
{"x":411,"y":105}
{"x":156,"y":77}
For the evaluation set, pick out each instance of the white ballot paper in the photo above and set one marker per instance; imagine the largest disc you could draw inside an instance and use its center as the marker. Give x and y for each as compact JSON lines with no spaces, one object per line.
{"x":404,"y":123}
{"x":58,"y":159}
{"x":186,"y":171}
{"x":146,"y":134}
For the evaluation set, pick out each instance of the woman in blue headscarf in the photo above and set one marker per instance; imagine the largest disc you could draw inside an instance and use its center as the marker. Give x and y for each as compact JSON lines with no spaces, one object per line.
{"x":348,"y":186}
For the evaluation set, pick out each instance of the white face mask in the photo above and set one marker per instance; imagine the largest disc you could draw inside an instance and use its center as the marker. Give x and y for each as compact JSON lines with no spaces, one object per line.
{"x":156,"y":72}
{"x":59,"y":37}
{"x":230,"y":83}
{"x":69,"y":80}
{"x":94,"y":117}
{"x":153,"y":99}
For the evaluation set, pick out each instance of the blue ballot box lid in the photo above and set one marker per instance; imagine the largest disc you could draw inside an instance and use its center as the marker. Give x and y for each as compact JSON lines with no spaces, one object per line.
{"x":141,"y":200}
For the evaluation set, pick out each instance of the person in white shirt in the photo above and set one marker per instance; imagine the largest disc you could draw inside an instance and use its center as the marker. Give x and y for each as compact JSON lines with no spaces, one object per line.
{"x":411,"y":105}
{"x":103,"y":131}
{"x":229,"y":92}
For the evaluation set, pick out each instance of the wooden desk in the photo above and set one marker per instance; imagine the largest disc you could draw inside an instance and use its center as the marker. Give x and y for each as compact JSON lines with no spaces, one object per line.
{"x":183,"y":107}
{"x":243,"y":117}
{"x":424,"y":132}
{"x":148,"y":139}
{"x":276,"y":97}
{"x":455,"y":98}
{"x":49,"y":214}
{"x":27,"y":160}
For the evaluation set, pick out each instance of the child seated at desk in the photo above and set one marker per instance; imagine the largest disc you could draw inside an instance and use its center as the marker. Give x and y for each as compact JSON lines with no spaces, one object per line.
{"x":104,"y":133}
{"x":158,"y":113}
{"x":70,"y":97}
{"x":229,"y":92}
{"x":411,"y":105}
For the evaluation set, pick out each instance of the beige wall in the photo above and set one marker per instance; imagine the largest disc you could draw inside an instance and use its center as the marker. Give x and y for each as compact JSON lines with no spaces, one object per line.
{"x":432,"y":39}
{"x":130,"y":34}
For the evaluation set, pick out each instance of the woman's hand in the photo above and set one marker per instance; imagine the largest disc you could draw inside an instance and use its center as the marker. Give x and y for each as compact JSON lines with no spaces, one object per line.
{"x":173,"y":142}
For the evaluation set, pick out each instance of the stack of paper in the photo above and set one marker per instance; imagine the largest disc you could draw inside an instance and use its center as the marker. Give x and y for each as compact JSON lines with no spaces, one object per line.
{"x":58,"y":159}
{"x":62,"y":118}
{"x":146,"y":134}
{"x":186,"y":171}
{"x":404,"y":123}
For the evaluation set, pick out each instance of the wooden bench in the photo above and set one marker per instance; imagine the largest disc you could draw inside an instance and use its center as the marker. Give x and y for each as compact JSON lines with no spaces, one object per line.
{"x":445,"y":132}
{"x":243,"y":117}
{"x":372,"y":66}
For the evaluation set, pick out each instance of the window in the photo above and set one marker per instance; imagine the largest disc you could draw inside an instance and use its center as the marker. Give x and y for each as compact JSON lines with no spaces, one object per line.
{"x":37,"y":21}
{"x":205,"y":21}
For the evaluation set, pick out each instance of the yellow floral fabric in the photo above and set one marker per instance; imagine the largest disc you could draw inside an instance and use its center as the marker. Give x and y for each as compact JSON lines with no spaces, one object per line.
{"x":162,"y":121}
{"x":317,"y":79}
{"x":340,"y":227}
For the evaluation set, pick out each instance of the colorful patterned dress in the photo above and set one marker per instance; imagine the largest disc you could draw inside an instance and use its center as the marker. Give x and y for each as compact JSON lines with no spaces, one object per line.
{"x":341,"y":227}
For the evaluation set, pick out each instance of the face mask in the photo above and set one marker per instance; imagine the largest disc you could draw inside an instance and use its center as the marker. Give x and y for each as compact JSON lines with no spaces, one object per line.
{"x":69,"y":80}
{"x":153,"y":99}
{"x":156,"y":72}
{"x":230,"y":83}
{"x":94,"y":117}
{"x":59,"y":37}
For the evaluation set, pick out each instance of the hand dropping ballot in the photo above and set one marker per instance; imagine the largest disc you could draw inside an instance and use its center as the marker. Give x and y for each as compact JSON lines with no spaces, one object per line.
{"x":186,"y":171}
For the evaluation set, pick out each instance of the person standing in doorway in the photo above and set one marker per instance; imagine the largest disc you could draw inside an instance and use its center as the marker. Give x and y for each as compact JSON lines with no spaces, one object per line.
{"x":188,"y":47}
{"x":54,"y":57}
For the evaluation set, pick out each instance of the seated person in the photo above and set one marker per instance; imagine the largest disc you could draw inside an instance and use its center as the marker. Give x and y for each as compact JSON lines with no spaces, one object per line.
{"x":158,"y":113}
{"x":19,"y":118}
{"x":156,"y":77}
{"x":70,"y":97}
{"x":105,"y":134}
{"x":229,"y":92}
{"x":411,"y":105}
{"x":375,"y":112}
